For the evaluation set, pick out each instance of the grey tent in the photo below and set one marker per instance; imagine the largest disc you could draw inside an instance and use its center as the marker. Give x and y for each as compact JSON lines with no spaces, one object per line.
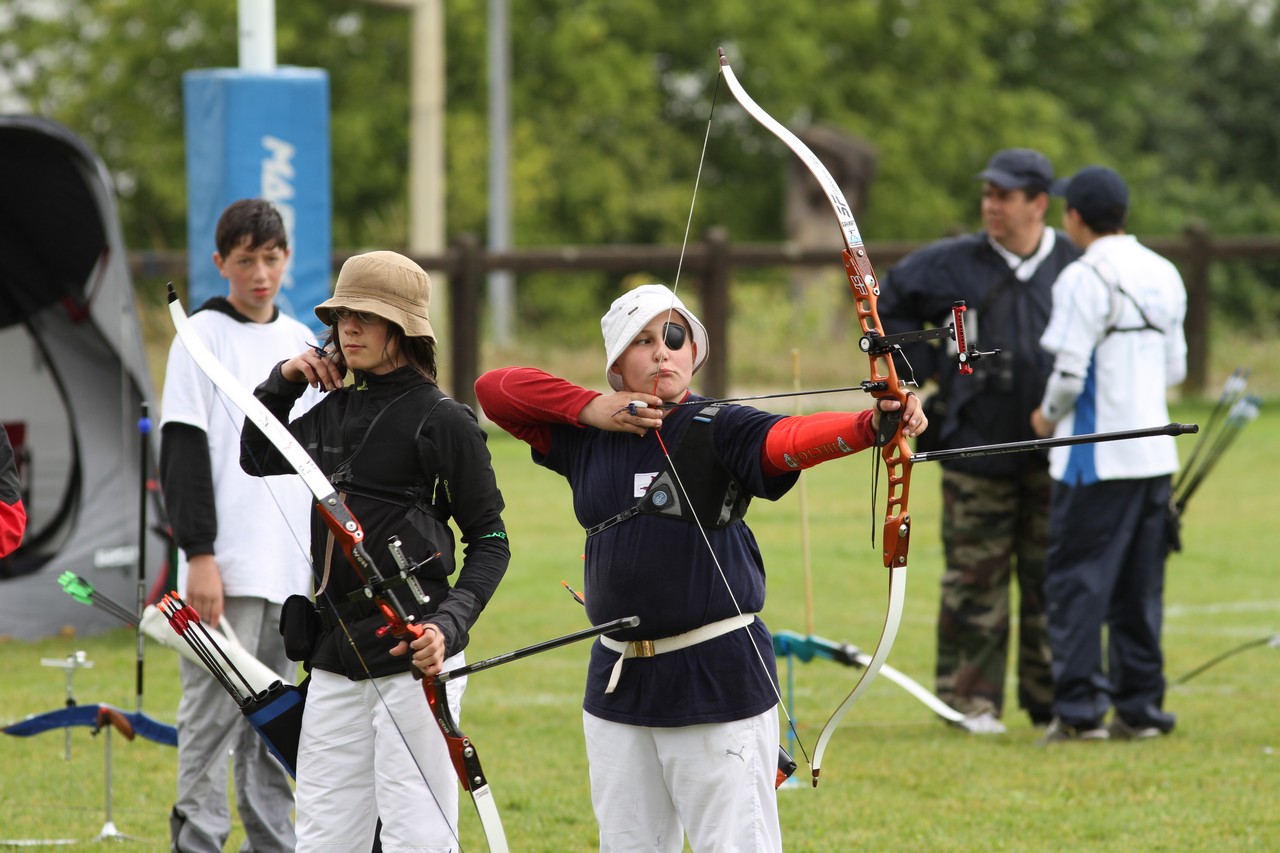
{"x":73,"y":377}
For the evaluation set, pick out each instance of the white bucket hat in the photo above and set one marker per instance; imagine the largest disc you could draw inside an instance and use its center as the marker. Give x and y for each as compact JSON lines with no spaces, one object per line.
{"x":631,"y":312}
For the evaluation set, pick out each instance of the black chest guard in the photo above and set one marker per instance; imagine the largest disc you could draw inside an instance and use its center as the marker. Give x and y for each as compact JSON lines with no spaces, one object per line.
{"x":715,"y":497}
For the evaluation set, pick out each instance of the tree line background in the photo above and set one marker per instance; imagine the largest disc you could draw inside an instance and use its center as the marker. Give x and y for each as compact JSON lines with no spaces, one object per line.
{"x":610,"y":100}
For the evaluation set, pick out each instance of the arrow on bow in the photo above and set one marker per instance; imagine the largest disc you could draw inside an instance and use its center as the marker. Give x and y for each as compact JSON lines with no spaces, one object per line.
{"x":348,"y":533}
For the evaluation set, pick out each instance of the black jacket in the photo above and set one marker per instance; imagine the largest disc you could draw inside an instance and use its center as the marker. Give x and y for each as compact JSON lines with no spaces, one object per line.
{"x":409,"y":459}
{"x":994,"y":404}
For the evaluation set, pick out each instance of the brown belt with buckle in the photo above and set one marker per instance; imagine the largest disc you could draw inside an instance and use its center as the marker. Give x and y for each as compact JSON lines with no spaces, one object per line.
{"x":652,"y":648}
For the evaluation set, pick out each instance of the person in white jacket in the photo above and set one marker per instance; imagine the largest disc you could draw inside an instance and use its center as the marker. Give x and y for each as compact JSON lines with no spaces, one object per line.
{"x":1116,"y":334}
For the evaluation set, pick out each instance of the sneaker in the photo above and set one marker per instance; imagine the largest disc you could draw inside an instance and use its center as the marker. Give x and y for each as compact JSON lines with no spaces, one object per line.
{"x":983,"y":723}
{"x":1120,"y":730}
{"x":1060,"y":732}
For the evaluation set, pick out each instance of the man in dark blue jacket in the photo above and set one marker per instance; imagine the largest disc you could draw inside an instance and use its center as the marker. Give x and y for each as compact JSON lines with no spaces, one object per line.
{"x":995,"y":508}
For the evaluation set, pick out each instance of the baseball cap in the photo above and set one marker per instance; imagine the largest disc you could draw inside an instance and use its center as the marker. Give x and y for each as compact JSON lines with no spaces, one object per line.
{"x":1018,"y":168}
{"x":1097,"y":193}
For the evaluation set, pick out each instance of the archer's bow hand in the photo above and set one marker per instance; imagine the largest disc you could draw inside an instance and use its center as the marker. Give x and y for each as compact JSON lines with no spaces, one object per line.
{"x":913,"y":418}
{"x":428,"y":651}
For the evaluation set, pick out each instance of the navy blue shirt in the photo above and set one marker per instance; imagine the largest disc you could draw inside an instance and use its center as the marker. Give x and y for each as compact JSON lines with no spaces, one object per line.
{"x":660,"y":569}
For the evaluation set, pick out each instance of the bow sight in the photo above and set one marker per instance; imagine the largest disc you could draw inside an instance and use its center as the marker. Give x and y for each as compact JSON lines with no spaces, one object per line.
{"x":874,"y":343}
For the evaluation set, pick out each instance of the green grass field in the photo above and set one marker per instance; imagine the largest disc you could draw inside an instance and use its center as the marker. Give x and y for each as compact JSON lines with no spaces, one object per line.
{"x":893,"y":778}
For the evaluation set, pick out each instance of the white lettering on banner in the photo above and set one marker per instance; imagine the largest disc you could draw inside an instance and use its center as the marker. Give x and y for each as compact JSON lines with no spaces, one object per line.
{"x":278,"y":177}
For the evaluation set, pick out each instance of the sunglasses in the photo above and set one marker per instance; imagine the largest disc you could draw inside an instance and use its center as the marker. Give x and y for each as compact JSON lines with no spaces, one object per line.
{"x":674,"y":336}
{"x":338,"y":315}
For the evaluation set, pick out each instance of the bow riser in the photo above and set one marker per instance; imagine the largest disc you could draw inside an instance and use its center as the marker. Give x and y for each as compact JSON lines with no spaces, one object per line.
{"x":466,"y":762}
{"x":884,"y":384}
{"x":350,"y":537}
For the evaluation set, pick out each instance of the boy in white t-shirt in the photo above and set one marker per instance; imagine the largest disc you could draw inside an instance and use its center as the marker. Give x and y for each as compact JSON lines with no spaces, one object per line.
{"x":242,"y":538}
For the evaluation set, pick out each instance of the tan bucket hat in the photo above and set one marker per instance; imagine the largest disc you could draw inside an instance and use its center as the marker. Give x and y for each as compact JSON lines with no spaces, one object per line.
{"x":387,"y":284}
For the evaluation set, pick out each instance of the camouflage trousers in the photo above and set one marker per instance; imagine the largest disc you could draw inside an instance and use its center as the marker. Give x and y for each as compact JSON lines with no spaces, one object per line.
{"x":992,"y":530}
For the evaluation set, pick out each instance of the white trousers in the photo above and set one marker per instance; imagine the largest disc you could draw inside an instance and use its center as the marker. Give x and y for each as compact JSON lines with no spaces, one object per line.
{"x":371,"y":749}
{"x":715,"y":783}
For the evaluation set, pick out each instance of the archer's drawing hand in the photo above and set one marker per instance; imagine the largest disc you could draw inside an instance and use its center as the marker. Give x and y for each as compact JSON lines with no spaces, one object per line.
{"x":624,"y":411}
{"x":314,"y":367}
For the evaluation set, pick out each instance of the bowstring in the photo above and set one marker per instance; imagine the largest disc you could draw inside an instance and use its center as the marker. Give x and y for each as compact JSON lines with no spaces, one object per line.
{"x":675,"y":288}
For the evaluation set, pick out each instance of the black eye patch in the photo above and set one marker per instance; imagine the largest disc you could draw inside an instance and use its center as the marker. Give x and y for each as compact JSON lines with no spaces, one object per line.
{"x":673,"y":336}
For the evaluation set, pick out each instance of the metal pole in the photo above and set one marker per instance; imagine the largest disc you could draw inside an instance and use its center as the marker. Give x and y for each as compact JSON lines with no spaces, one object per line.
{"x":144,"y":432}
{"x":501,"y":284}
{"x":426,"y":129}
{"x":256,"y":22}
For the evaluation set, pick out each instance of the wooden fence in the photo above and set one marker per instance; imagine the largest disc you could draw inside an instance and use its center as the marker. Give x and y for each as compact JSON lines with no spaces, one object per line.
{"x":711,"y":261}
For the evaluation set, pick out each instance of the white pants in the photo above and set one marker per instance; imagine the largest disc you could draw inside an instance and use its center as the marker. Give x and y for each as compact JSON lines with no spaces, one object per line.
{"x":371,"y":749}
{"x":715,"y":782}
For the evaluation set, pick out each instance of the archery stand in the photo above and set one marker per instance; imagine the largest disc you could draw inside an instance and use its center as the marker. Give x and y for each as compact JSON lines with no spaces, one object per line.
{"x":71,"y":663}
{"x":109,"y":831}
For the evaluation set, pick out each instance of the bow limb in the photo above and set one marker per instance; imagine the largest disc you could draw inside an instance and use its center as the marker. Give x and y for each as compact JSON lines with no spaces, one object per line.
{"x":806,"y":648}
{"x":346,"y":531}
{"x":883,"y":383}
{"x":466,"y":763}
{"x":95,"y":716}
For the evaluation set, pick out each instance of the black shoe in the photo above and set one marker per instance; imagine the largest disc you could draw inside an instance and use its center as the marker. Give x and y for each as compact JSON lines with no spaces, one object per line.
{"x":1120,"y":730}
{"x":1060,"y":732}
{"x":1149,"y":716}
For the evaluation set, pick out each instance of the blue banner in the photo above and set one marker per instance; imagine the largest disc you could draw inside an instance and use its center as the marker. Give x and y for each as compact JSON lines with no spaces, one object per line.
{"x":260,"y":135}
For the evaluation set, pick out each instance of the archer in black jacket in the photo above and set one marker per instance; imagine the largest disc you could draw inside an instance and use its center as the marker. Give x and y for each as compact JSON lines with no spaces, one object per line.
{"x":409,"y":460}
